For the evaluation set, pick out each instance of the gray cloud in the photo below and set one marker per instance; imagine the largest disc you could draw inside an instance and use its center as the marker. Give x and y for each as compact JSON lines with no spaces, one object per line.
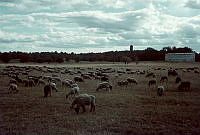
{"x":194,"y":4}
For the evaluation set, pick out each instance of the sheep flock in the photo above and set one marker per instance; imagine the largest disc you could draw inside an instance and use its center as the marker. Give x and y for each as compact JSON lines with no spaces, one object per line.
{"x":101,"y":91}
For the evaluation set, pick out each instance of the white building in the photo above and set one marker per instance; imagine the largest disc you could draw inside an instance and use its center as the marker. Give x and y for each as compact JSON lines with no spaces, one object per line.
{"x":180,"y":57}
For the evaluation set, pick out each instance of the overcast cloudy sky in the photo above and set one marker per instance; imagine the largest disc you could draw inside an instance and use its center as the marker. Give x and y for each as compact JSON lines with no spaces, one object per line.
{"x":98,"y":25}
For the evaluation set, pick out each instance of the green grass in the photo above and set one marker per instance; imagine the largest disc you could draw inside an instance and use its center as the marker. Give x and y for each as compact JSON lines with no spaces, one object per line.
{"x":132,"y":110}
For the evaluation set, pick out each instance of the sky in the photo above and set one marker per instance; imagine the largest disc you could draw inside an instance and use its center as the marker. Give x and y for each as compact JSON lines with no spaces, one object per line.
{"x":82,"y":26}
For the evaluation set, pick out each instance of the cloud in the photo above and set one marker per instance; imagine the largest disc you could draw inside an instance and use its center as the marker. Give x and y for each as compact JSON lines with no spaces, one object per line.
{"x":194,"y":4}
{"x":88,"y":25}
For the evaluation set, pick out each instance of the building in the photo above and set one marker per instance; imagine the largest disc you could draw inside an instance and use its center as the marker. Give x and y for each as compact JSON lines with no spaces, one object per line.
{"x":180,"y":57}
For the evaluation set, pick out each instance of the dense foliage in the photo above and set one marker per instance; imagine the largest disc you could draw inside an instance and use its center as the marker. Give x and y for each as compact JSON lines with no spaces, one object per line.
{"x":149,"y":54}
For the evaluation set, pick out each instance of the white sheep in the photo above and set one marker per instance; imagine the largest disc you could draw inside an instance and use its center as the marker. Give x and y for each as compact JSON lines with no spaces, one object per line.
{"x":106,"y":85}
{"x":75,"y":90}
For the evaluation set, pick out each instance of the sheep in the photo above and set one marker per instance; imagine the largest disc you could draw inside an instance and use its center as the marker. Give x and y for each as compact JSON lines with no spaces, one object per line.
{"x":78,"y":79}
{"x":53,"y":86}
{"x":41,"y":82}
{"x":132,"y":80}
{"x":104,"y":79}
{"x":31,"y":83}
{"x":160,"y":90}
{"x":74,"y":90}
{"x":47,"y":90}
{"x":172,"y":73}
{"x":150,"y":74}
{"x":164,"y":79}
{"x":66,"y":83}
{"x":184,"y":86}
{"x":178,"y":79}
{"x":13,"y":81}
{"x":82,"y":100}
{"x":106,"y":85}
{"x":123,"y":83}
{"x":152,"y":82}
{"x":85,"y":76}
{"x":13,"y":87}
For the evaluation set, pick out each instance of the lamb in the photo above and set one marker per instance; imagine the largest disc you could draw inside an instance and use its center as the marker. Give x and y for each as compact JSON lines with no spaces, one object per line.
{"x":160,"y":90}
{"x":13,"y":87}
{"x":82,"y":100}
{"x":164,"y":79}
{"x":152,"y":82}
{"x":178,"y":79}
{"x":184,"y":86}
{"x":132,"y":80}
{"x":106,"y":85}
{"x":74,"y":90}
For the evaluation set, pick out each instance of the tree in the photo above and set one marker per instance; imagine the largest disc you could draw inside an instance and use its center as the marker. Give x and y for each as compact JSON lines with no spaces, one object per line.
{"x":5,"y":58}
{"x":126,"y":59}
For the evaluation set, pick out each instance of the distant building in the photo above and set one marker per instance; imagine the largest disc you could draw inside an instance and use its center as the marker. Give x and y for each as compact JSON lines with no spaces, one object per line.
{"x":131,"y":48}
{"x":180,"y":57}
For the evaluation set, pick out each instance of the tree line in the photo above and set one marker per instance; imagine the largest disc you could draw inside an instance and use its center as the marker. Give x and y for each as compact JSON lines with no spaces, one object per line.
{"x":148,"y":54}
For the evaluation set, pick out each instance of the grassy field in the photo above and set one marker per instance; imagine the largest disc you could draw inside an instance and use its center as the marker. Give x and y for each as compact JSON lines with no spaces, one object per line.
{"x":135,"y":109}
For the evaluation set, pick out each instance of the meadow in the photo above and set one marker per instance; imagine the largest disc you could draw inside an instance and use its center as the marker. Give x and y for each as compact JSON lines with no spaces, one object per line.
{"x":135,"y":109}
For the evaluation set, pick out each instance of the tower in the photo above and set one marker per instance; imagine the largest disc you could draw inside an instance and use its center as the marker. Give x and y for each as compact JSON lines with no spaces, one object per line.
{"x":131,"y":48}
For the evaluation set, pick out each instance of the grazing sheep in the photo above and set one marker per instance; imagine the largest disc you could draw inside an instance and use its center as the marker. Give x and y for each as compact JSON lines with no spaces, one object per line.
{"x":82,"y":100}
{"x":184,"y":86}
{"x":152,"y":82}
{"x":160,"y":90}
{"x":78,"y":79}
{"x":13,"y":81}
{"x":85,"y":76}
{"x":53,"y":86}
{"x":104,"y":79}
{"x":31,"y":83}
{"x":172,"y":73}
{"x":178,"y":79}
{"x":164,"y":79}
{"x":150,"y":74}
{"x":196,"y":71}
{"x":66,"y":83}
{"x":13,"y":87}
{"x":47,"y":90}
{"x":106,"y":85}
{"x":74,"y":90}
{"x":41,"y":82}
{"x":132,"y":80}
{"x":123,"y":83}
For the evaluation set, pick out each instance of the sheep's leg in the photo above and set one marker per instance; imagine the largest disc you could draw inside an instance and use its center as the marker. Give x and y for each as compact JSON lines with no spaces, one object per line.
{"x":92,"y":108}
{"x":83,"y":106}
{"x":77,"y":109}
